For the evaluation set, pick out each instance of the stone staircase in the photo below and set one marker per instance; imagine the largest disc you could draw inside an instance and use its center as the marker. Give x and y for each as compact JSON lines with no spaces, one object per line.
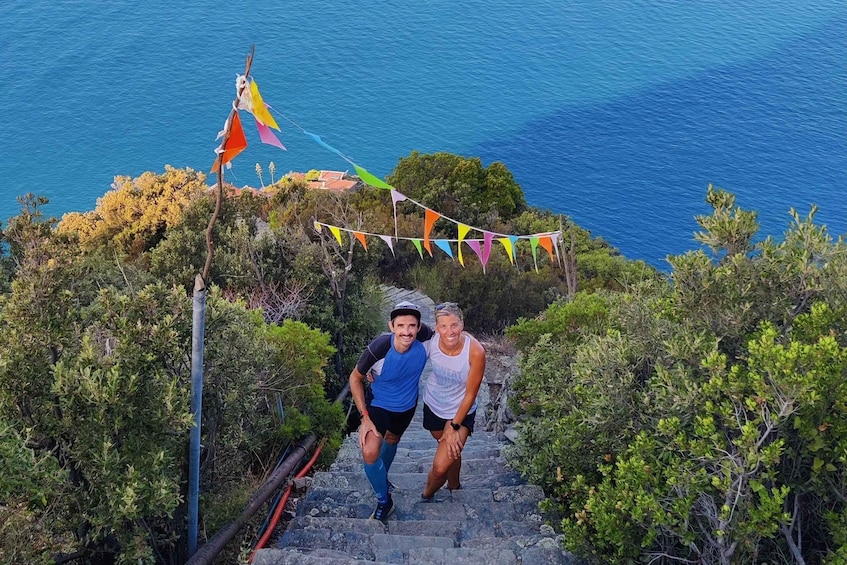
{"x":492,"y":519}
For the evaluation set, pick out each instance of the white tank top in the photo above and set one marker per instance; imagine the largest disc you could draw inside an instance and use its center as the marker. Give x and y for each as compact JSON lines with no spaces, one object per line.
{"x":448,"y":381}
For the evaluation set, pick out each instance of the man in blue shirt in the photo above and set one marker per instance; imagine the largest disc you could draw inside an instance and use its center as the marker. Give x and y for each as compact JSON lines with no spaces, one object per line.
{"x":396,"y":361}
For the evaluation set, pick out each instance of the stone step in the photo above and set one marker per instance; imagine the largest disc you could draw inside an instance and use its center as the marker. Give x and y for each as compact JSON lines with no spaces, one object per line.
{"x":392,"y":548}
{"x":413,"y":482}
{"x":300,"y":556}
{"x":493,"y":518}
{"x":422,"y":439}
{"x":469,"y":506}
{"x":473,"y":461}
{"x":445,"y":528}
{"x":424,"y":456}
{"x":396,"y":548}
{"x":463,"y":555}
{"x":535,"y":555}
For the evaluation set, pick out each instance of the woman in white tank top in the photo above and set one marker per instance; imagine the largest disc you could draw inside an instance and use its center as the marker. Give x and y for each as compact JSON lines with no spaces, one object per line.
{"x":457,"y":361}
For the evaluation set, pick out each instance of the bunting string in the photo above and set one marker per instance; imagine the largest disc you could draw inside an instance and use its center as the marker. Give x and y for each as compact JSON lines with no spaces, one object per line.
{"x":251,"y":100}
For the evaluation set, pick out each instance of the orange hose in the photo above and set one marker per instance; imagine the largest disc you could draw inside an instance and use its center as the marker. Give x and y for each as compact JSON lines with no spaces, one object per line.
{"x":279,"y":507}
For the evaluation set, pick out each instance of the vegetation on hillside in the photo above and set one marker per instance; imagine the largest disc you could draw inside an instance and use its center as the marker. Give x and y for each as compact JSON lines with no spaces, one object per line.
{"x":701,"y":418}
{"x":95,"y":325}
{"x":697,"y":416}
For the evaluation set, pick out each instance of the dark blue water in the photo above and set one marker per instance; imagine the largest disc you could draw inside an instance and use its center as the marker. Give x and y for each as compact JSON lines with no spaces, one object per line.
{"x":619,"y":116}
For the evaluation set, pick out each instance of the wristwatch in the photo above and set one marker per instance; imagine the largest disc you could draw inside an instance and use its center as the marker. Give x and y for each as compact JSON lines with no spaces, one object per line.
{"x":455,"y":426}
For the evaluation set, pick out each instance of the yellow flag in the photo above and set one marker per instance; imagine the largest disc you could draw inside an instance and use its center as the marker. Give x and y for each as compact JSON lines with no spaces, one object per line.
{"x":260,"y":111}
{"x":336,"y":232}
{"x":507,"y":243}
{"x":463,"y":231}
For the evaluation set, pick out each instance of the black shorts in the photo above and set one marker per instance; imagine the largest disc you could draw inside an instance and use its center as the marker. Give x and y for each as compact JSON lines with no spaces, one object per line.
{"x":434,"y":423}
{"x":394,"y":422}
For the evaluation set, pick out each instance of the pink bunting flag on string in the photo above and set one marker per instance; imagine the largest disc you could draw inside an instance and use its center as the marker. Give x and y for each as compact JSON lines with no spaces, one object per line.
{"x":486,"y":249}
{"x":474,"y":244}
{"x":267,"y":136}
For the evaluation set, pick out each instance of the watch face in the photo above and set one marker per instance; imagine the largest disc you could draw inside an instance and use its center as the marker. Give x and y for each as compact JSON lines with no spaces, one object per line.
{"x":455,"y":426}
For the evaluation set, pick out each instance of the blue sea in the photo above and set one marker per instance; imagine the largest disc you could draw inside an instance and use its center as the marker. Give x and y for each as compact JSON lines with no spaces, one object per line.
{"x":617,"y":114}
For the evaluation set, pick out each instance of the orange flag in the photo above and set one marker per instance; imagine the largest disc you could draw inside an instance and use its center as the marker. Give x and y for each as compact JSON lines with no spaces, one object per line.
{"x":547,"y":243}
{"x":235,"y":143}
{"x":361,"y":237}
{"x":431,"y":216}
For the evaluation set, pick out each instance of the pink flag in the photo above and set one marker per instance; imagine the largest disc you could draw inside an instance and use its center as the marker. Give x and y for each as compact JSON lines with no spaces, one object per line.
{"x":267,"y":136}
{"x":474,"y":244}
{"x":486,"y":250}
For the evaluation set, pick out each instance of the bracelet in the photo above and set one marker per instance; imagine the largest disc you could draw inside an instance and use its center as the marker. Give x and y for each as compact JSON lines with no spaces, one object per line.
{"x":364,"y":413}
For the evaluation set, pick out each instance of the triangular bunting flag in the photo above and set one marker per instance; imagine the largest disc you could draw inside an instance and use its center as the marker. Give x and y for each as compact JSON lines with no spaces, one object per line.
{"x":361,"y":237}
{"x":317,"y":139}
{"x":474,"y":244}
{"x":547,"y":243}
{"x":431,"y":217}
{"x":235,"y":143}
{"x":534,"y":242}
{"x":336,"y":232}
{"x":260,"y":111}
{"x":388,"y":242}
{"x":318,"y":227}
{"x":486,"y":250}
{"x":268,"y":137}
{"x":445,"y":246}
{"x":463,"y":231}
{"x":507,"y":245}
{"x":555,"y":237}
{"x":370,"y":179}
{"x":395,"y":198}
{"x":417,"y":243}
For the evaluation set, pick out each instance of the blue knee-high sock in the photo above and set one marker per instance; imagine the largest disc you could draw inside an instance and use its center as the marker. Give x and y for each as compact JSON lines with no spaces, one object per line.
{"x":378,"y":477}
{"x":387,"y":453}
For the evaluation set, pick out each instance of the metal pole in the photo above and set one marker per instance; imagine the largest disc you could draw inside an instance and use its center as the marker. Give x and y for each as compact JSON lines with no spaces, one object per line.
{"x":207,"y":554}
{"x":197,"y":338}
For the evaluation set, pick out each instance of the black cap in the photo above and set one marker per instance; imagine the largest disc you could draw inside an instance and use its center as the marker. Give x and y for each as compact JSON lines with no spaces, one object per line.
{"x":406,"y":308}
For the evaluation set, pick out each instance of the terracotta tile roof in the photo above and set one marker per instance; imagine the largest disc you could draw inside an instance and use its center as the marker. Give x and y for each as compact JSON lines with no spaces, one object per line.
{"x":329,"y":180}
